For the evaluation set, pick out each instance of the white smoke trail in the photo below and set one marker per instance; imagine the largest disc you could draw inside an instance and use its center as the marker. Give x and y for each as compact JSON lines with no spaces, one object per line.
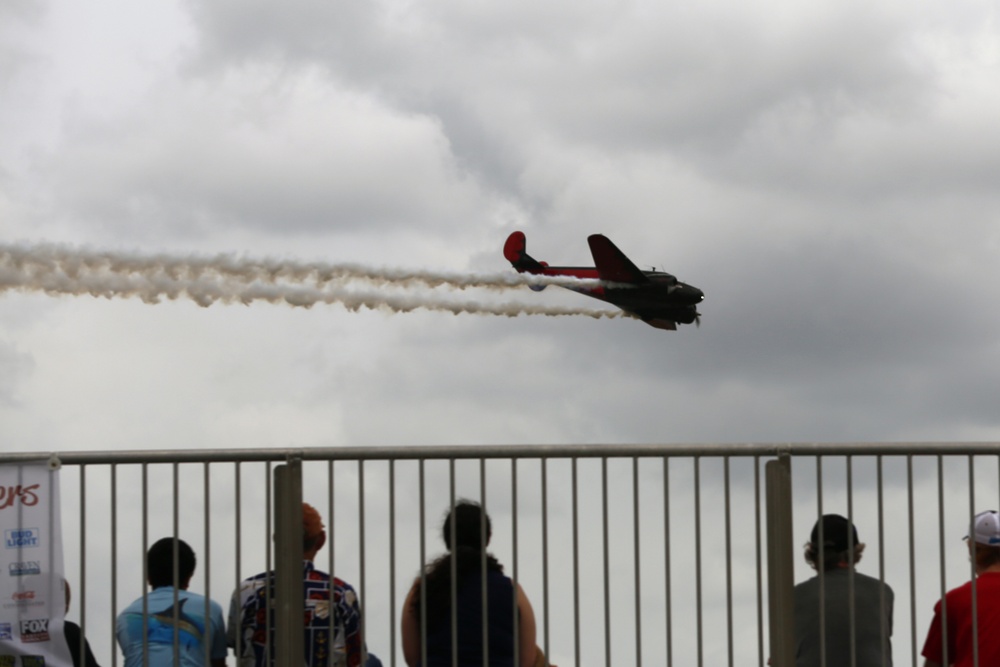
{"x":73,"y":260}
{"x":61,"y":271}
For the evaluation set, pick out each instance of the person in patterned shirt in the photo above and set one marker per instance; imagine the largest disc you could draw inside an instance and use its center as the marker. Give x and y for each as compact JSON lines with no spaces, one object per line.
{"x":332,"y":614}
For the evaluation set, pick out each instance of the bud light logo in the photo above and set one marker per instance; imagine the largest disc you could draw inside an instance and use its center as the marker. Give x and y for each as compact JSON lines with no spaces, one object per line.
{"x":5,"y":632}
{"x":22,"y":538}
{"x":35,"y":630}
{"x":22,"y":568}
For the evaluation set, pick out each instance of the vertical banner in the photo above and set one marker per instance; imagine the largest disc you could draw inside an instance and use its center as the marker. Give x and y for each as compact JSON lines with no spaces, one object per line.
{"x":32,"y":589}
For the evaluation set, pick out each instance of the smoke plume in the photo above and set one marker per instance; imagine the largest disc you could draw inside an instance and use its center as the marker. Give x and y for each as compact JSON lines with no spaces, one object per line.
{"x":62,"y":270}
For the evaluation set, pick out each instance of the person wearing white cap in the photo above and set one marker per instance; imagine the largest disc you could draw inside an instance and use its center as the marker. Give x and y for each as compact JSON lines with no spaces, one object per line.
{"x":955,"y":647}
{"x":833,"y":550}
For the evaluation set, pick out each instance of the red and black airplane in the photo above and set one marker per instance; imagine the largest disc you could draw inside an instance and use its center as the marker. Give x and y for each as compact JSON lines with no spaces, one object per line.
{"x":655,"y":297}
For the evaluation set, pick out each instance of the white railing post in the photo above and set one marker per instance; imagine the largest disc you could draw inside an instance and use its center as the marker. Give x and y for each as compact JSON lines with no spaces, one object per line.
{"x":780,"y":568}
{"x":289,"y":635}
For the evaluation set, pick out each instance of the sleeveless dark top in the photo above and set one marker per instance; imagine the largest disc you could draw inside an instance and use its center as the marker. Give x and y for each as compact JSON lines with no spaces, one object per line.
{"x":500,"y":621}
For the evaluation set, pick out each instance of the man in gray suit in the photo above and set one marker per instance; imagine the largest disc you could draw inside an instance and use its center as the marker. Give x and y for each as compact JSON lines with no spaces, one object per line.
{"x":833,"y":550}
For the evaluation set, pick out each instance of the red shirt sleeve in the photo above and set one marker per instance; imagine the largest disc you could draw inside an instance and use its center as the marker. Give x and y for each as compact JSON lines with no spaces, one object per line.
{"x":932,"y":645}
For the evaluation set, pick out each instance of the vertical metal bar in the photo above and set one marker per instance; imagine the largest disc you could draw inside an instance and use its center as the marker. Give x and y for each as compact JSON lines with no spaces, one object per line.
{"x":361,"y":550}
{"x":883,"y":625}
{"x":114,"y":559}
{"x":289,"y":586}
{"x":483,"y":540}
{"x":514,"y":566}
{"x":176,"y":557}
{"x":392,"y":557}
{"x":545,"y":557}
{"x":269,"y":588}
{"x":821,"y":553}
{"x":729,"y":564}
{"x":851,"y":615}
{"x":636,"y":561}
{"x":145,"y":563}
{"x":83,"y":560}
{"x":760,"y":567}
{"x":237,"y":632}
{"x":697,"y":558}
{"x":576,"y":566}
{"x":331,"y":552}
{"x":208,"y":565}
{"x":972,"y":563}
{"x":780,"y":565}
{"x":423,"y":567}
{"x":913,"y":569}
{"x":454,"y":563}
{"x":944,"y":607}
{"x":607,"y":564}
{"x":666,"y":559}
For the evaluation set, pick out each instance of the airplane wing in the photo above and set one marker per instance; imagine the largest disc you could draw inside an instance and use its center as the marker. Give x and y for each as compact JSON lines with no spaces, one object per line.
{"x":612,"y":264}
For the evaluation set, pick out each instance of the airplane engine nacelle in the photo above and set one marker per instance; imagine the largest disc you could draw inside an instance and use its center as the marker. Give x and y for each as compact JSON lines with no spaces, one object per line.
{"x":539,"y":288}
{"x":687,"y":317}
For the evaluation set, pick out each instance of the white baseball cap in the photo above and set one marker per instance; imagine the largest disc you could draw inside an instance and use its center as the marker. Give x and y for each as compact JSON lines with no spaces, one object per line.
{"x":986,"y":528}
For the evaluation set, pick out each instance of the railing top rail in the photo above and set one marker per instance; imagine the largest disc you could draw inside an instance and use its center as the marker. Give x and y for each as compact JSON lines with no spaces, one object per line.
{"x":764,"y":449}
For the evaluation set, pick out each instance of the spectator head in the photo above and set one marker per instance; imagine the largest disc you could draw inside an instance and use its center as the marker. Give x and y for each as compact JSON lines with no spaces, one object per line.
{"x":468,"y":517}
{"x":840,"y":547}
{"x":160,"y":563}
{"x":313,"y":532}
{"x":984,"y":545}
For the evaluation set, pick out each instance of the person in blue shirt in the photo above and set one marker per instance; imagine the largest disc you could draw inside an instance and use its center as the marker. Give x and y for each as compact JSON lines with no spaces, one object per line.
{"x":174,"y":619}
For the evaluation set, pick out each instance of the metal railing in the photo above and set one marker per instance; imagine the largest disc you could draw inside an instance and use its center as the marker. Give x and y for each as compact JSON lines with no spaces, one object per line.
{"x":630,"y":554}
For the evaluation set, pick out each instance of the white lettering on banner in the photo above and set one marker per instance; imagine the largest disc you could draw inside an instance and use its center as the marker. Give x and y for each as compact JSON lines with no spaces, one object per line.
{"x":35,"y":630}
{"x":24,"y":567}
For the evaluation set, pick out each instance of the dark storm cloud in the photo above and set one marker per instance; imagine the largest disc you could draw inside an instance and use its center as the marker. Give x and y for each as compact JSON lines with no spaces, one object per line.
{"x":700,"y":82}
{"x":849,"y":337}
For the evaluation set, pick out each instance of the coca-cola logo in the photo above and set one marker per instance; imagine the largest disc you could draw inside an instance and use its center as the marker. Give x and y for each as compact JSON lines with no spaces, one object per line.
{"x":10,"y":494}
{"x":23,"y":595}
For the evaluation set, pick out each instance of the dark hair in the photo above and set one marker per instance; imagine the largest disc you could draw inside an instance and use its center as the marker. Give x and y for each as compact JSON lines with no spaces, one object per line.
{"x":160,"y":562}
{"x":985,"y":555}
{"x":839,"y":536}
{"x":470,"y":543}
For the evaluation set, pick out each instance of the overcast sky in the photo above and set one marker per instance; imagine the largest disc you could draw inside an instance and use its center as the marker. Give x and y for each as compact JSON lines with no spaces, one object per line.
{"x":826,"y":172}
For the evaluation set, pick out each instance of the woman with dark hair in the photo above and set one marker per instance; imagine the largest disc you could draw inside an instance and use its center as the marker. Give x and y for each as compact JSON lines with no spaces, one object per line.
{"x":509,"y":616}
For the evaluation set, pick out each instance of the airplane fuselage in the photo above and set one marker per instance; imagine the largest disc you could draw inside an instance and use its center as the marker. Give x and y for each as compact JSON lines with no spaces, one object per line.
{"x":655,"y":297}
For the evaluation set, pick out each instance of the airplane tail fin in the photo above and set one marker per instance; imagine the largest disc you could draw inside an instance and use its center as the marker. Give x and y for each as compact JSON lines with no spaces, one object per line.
{"x":514,"y":250}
